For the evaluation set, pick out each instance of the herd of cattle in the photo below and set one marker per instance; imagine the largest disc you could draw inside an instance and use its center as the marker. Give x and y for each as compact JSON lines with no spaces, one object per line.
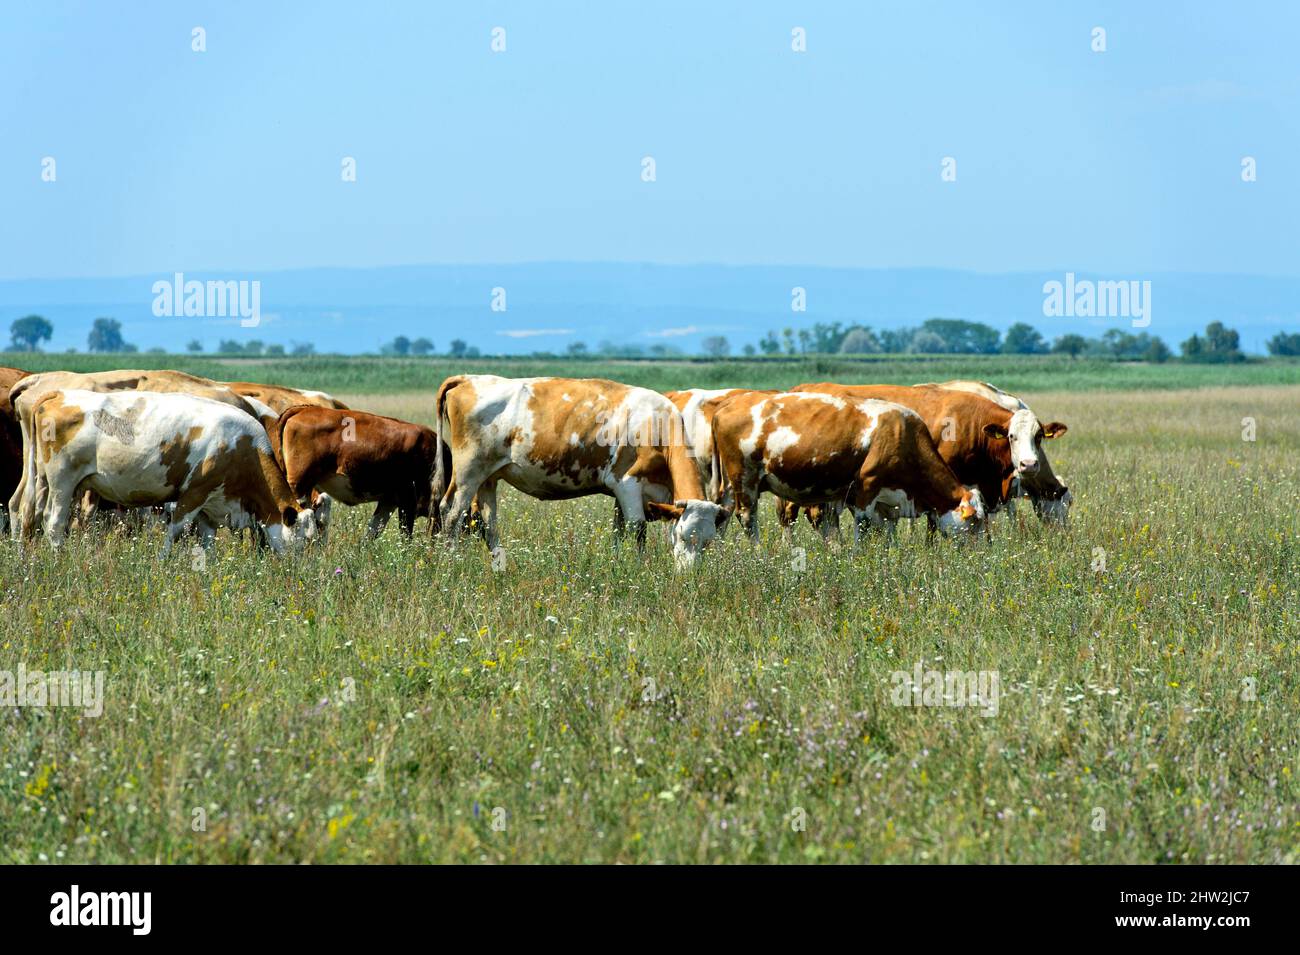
{"x":209,"y":454}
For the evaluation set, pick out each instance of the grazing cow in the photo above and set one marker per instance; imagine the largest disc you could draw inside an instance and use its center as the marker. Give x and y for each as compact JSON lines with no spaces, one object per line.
{"x":875,"y":456}
{"x":11,"y":442}
{"x":558,"y":438}
{"x":1049,"y":495}
{"x":984,"y":444}
{"x":144,"y":449}
{"x":280,"y":399}
{"x":27,"y":392}
{"x":355,"y":457}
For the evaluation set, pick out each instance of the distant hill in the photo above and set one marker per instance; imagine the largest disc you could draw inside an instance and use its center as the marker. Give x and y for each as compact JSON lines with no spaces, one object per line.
{"x":549,"y":305}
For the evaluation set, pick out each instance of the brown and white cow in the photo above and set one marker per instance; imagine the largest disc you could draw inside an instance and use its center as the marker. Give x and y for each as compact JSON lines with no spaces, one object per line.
{"x":11,"y":442}
{"x":143,"y":449}
{"x":811,"y":448}
{"x":984,"y":444}
{"x":280,"y":399}
{"x":355,"y":457}
{"x":26,"y":392}
{"x":1049,"y":495}
{"x":559,"y":438}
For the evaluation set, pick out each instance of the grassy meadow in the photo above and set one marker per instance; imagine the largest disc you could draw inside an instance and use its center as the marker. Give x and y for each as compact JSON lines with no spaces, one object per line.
{"x":394,"y":701}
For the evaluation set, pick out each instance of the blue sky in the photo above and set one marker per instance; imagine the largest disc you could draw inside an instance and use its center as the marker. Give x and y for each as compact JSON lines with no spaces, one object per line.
{"x":1126,"y":161}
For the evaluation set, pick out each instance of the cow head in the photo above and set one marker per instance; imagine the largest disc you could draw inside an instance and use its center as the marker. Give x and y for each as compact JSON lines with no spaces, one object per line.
{"x":1024,"y":435}
{"x":296,"y":528}
{"x":695,"y":525}
{"x":966,"y":517}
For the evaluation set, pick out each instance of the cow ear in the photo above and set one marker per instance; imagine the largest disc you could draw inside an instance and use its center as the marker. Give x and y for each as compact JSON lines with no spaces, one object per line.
{"x":723,"y":515}
{"x":1054,"y":430}
{"x":289,"y":515}
{"x":996,"y":432}
{"x":668,"y":512}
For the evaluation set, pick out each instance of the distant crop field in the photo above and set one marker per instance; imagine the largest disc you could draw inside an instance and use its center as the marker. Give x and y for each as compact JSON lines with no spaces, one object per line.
{"x":395,"y":701}
{"x":375,"y":375}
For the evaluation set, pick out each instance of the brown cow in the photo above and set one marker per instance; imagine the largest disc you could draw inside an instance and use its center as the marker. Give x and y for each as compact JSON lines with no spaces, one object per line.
{"x":986,"y":445}
{"x":355,"y":457}
{"x":875,"y":456}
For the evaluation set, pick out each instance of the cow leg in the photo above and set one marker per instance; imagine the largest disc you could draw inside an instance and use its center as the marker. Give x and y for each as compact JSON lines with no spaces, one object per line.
{"x":58,"y":512}
{"x":487,"y":514}
{"x":180,"y":523}
{"x":787,"y":514}
{"x":455,"y":508}
{"x":406,"y":517}
{"x":379,"y":521}
{"x":620,"y":524}
{"x":627,"y":492}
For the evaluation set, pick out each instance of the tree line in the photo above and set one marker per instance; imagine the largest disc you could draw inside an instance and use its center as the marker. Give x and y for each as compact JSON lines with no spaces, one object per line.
{"x":935,"y":336}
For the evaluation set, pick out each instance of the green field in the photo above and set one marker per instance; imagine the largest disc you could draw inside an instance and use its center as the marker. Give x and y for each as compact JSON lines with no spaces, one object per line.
{"x":407,"y":702}
{"x":374,"y":375}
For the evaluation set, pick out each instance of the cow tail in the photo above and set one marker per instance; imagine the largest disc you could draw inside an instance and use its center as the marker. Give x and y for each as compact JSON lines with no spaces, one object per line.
{"x":715,"y":465}
{"x":441,"y":450}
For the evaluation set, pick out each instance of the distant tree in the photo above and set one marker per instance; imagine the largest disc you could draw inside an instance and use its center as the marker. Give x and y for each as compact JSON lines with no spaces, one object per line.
{"x":26,"y":334}
{"x":926,"y":342}
{"x":1023,"y":339}
{"x":105,"y":336}
{"x":228,"y":346}
{"x":1157,"y":351}
{"x":828,"y":337}
{"x":576,"y":350}
{"x":401,"y":345}
{"x":749,"y":350}
{"x":769,"y":344}
{"x":962,"y":337}
{"x":805,"y":341}
{"x":457,"y":348}
{"x":302,"y":349}
{"x":1220,"y":344}
{"x":275,"y":350}
{"x":157,"y":351}
{"x":1072,"y":345}
{"x":129,"y":349}
{"x":254,"y":346}
{"x":664,"y":351}
{"x":472,"y":351}
{"x":787,"y":338}
{"x":421,"y":346}
{"x":859,"y":341}
{"x":1284,"y":344}
{"x":895,"y":341}
{"x":194,"y":346}
{"x":716,"y":346}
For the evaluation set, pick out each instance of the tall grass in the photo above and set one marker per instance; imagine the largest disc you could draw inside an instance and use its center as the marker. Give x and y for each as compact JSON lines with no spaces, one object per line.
{"x":395,"y":701}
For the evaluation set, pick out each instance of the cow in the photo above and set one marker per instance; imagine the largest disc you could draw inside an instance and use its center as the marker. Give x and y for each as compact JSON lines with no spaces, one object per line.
{"x":355,"y":457}
{"x":145,"y":449}
{"x":279,"y":398}
{"x":559,"y":438}
{"x":1049,"y":495}
{"x":11,"y":442}
{"x":984,"y":444}
{"x":27,"y":391}
{"x":875,"y":456}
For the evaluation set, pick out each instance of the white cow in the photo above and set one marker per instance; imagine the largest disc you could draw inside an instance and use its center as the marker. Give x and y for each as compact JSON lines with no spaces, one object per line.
{"x":141,"y":449}
{"x":557,"y":438}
